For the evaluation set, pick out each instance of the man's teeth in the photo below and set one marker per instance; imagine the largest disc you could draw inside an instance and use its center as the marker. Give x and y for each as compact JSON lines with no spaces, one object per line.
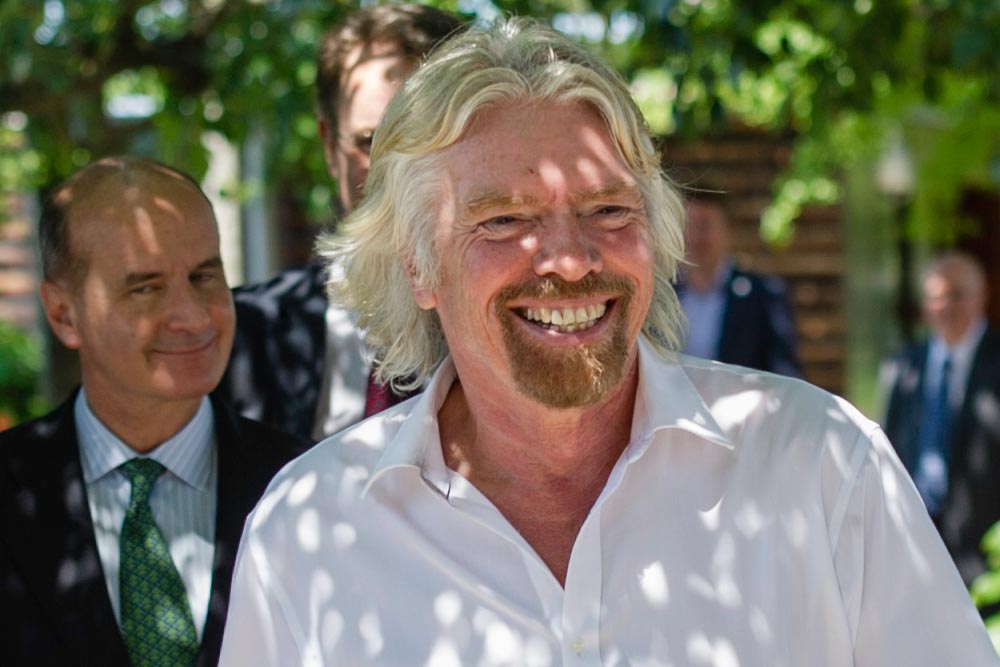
{"x":567,"y":320}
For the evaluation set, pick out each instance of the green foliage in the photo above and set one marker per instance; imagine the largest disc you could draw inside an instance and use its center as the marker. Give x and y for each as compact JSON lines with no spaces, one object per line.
{"x":83,"y":79}
{"x":20,"y":365}
{"x":986,"y":588}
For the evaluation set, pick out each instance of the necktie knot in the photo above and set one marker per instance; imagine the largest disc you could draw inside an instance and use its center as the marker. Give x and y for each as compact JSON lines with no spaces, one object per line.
{"x":142,"y":473}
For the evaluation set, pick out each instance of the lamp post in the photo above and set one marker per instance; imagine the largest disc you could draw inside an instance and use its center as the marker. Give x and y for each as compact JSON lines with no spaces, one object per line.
{"x":894,"y":177}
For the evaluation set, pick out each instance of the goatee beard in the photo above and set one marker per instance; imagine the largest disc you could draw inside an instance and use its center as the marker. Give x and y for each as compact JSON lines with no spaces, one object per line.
{"x":561,"y":376}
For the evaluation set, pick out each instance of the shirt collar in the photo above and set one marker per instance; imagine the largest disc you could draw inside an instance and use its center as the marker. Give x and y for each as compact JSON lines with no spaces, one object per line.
{"x":418,"y":439}
{"x":665,"y":399}
{"x":962,"y":351}
{"x":188,"y":454}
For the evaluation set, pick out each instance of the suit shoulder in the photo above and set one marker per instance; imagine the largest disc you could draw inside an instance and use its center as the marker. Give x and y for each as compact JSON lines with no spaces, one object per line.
{"x":27,"y":438}
{"x":265,"y":439}
{"x":300,"y":284}
{"x":989,"y":346}
{"x":765,"y":283}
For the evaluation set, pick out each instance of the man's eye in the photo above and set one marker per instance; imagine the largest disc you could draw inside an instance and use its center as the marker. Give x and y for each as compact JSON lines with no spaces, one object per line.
{"x":503,"y":224}
{"x":204,"y":277}
{"x":143,"y":290}
{"x":363,"y":143}
{"x":611,"y":210}
{"x":501,"y":221}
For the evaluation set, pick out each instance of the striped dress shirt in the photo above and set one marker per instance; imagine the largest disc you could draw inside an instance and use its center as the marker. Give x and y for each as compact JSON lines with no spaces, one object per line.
{"x":183,"y":501}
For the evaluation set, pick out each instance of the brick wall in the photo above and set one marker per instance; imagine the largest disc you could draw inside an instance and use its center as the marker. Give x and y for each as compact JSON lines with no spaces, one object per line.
{"x":744,"y":164}
{"x":18,"y":285}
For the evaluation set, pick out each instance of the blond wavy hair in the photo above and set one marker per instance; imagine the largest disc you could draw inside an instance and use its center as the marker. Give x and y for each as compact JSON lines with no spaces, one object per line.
{"x":391,"y":234}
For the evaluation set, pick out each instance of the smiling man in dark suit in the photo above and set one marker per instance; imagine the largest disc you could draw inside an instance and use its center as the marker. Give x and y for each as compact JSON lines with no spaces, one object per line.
{"x":734,"y":316}
{"x":122,"y":509}
{"x":943,"y":416}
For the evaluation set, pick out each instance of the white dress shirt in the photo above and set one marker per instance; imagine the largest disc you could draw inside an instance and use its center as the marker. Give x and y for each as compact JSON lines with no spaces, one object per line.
{"x":183,"y":500}
{"x":752,"y":520}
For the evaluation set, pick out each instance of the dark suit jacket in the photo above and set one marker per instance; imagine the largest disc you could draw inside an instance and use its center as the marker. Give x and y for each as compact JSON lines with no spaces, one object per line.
{"x":52,"y":586}
{"x":275,"y":373}
{"x":757,"y":330}
{"x":973,"y":501}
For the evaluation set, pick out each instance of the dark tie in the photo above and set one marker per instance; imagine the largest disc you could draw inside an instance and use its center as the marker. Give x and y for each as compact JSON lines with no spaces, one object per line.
{"x":156,"y":620}
{"x":931,"y":476}
{"x":380,"y":396}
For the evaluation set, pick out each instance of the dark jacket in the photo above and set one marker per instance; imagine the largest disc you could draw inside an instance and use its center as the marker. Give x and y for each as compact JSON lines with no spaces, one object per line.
{"x":52,"y":588}
{"x":972,"y":504}
{"x":275,"y":373}
{"x":758,"y":330}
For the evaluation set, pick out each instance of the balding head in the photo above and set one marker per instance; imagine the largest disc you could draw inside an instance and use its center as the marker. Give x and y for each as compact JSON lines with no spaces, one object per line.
{"x":103,"y":188}
{"x":954,"y":295}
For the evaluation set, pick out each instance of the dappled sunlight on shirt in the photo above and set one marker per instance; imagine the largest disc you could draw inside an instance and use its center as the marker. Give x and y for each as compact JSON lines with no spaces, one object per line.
{"x":752,"y":520}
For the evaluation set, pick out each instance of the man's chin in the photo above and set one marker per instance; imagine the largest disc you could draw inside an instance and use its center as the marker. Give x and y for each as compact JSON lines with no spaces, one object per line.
{"x":180,"y":387}
{"x":567,"y":377}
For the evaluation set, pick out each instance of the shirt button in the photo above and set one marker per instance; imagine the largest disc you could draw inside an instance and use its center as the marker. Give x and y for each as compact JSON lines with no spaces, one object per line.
{"x":578,"y":645}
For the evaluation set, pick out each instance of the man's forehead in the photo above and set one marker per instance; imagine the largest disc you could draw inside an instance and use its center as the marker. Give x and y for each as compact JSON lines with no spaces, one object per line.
{"x":141,"y":205}
{"x":486,"y":198}
{"x":950,"y":282}
{"x":384,"y":59}
{"x":144,"y":225}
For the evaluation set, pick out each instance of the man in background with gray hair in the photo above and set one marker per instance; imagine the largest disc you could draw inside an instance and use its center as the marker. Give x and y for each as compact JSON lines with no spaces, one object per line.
{"x":943,"y":415}
{"x":569,"y":489}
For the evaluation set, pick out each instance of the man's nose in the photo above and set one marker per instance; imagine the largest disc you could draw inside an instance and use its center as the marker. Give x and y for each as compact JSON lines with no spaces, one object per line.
{"x":565,"y":249}
{"x":187,"y":310}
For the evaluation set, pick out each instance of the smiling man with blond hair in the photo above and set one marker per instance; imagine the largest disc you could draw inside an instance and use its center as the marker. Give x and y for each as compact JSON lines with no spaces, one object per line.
{"x":569,"y":490}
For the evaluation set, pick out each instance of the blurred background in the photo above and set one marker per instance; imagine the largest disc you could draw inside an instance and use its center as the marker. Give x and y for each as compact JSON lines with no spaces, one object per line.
{"x":853,"y":138}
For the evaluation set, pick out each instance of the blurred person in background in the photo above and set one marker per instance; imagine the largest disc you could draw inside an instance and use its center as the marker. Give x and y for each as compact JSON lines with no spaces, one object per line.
{"x":734,"y":316}
{"x":943,"y":414}
{"x":299,"y":363}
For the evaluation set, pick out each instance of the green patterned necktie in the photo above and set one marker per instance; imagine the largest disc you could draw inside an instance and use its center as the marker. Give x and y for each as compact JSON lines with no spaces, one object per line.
{"x":156,"y":618}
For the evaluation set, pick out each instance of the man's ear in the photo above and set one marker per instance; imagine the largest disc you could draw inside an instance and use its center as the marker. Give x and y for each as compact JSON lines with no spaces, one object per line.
{"x":424,"y":296}
{"x":60,"y":311}
{"x":329,"y":147}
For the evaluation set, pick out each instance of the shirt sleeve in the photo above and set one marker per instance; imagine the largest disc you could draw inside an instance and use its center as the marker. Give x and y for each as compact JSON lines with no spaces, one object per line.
{"x":258,"y":629}
{"x":905,"y":601}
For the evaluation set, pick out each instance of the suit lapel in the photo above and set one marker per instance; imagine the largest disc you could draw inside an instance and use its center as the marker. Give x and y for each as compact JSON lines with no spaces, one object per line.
{"x":982,"y":375}
{"x":237,"y":494}
{"x":50,"y":537}
{"x":910,"y":385}
{"x":734,"y":317}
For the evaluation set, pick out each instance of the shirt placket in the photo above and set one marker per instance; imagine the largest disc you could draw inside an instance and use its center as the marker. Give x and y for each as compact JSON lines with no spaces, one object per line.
{"x":582,"y":595}
{"x":581,"y":612}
